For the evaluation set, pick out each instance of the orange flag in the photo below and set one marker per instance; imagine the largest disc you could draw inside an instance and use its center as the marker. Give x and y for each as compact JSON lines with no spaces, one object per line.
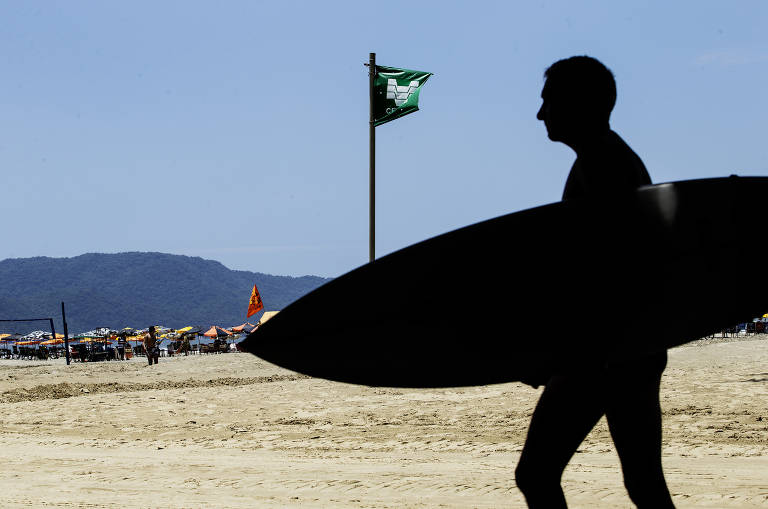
{"x":255,"y":305}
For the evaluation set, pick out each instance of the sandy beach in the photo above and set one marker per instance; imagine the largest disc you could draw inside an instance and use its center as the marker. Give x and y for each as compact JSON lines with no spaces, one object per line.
{"x":233,"y":431}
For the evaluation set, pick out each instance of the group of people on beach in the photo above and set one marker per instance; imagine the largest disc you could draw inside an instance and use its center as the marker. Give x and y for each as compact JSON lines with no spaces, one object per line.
{"x":150,"y":346}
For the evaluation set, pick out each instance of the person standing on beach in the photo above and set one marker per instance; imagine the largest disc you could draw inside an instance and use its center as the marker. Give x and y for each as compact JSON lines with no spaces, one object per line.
{"x":578,"y":96}
{"x":121,"y":344}
{"x":150,"y":345}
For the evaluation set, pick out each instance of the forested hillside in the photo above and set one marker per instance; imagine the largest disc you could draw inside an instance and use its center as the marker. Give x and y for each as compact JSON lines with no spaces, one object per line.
{"x":136,"y":290}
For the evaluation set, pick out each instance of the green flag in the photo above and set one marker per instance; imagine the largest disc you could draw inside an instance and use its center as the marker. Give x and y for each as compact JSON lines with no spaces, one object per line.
{"x":396,"y":92}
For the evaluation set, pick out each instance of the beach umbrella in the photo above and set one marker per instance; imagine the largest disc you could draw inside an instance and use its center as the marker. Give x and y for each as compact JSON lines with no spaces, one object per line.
{"x":7,"y":338}
{"x":38,"y":334}
{"x":183,"y":330}
{"x":101,"y":331}
{"x":95,"y":340}
{"x":49,"y":342}
{"x":246,"y":327}
{"x":217,"y":331}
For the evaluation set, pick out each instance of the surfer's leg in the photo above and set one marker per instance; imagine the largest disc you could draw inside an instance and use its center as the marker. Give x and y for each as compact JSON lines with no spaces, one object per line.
{"x":634,"y":417}
{"x":568,"y":409}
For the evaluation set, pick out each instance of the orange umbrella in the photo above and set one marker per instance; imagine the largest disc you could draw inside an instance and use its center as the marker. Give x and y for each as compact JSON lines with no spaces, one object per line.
{"x":216,"y":331}
{"x":246,"y":327}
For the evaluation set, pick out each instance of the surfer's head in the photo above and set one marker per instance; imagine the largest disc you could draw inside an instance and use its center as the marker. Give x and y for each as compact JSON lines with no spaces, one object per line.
{"x":578,"y":96}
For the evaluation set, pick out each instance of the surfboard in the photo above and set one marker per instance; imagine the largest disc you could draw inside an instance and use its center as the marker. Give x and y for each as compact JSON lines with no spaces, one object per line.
{"x":561,"y":287}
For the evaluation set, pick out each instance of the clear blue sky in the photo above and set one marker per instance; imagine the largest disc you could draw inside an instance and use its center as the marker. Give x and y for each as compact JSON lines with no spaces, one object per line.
{"x":238,"y":130}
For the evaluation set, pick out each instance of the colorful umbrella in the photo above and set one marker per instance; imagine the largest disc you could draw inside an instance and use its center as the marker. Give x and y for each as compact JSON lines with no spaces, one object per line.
{"x":246,"y":327}
{"x":95,"y":340}
{"x":57,"y":341}
{"x":217,"y":331}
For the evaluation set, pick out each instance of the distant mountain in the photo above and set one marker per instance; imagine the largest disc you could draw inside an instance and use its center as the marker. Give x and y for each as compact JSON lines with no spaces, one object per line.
{"x":136,"y":290}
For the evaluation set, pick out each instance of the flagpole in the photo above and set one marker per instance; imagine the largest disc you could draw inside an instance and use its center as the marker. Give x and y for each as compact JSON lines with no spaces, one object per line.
{"x":372,"y":164}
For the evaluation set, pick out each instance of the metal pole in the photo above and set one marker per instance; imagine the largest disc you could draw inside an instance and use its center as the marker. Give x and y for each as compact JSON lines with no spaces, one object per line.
{"x":372,"y":172}
{"x":53,"y":332}
{"x":66,"y":332}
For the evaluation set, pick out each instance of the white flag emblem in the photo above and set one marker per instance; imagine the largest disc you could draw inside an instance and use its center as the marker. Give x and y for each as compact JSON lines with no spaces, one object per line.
{"x":400,"y":93}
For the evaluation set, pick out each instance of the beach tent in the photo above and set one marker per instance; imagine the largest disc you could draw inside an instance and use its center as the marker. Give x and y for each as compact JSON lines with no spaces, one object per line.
{"x":266,"y":316}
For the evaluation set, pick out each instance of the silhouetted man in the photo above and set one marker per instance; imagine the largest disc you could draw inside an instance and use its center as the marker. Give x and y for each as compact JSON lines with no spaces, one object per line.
{"x":578,"y":97}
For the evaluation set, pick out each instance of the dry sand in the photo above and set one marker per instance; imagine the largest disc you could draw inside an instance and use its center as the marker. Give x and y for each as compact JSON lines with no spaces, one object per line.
{"x":233,"y":431}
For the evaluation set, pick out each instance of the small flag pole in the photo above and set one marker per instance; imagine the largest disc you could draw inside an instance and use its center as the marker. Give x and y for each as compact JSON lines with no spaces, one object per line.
{"x":372,"y":163}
